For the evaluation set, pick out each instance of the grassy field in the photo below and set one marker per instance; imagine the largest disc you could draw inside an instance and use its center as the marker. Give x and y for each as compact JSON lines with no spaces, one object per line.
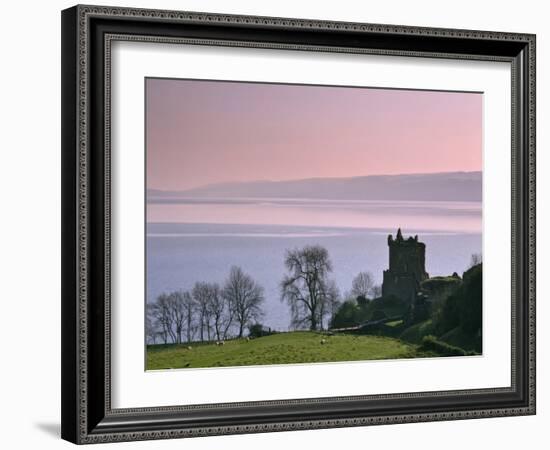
{"x":283,"y":348}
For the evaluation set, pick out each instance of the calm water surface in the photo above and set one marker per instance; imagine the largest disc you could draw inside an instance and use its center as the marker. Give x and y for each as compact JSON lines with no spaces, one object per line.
{"x":190,"y":240}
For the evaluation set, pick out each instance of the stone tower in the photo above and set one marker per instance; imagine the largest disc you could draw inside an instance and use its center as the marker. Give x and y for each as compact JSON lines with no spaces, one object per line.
{"x":407,"y":268}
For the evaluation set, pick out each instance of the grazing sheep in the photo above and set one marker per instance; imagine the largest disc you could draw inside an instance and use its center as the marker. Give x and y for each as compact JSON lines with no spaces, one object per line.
{"x":220,"y":343}
{"x":189,"y":348}
{"x":323,"y":341}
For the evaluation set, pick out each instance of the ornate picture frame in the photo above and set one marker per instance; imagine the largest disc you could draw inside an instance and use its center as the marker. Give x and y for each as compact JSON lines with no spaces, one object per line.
{"x":88,"y":33}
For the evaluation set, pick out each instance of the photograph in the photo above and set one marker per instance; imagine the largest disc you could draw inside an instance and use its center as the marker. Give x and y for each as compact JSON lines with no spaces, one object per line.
{"x":300,"y":224}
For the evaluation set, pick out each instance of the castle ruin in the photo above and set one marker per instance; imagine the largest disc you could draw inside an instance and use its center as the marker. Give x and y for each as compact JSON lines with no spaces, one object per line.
{"x":407,"y":268}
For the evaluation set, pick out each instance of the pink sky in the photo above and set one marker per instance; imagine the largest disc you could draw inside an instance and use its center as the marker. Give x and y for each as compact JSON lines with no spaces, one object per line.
{"x":203,"y":132}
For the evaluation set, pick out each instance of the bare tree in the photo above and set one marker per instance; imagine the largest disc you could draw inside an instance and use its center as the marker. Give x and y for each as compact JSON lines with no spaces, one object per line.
{"x":171,"y":317}
{"x":376,"y":291}
{"x":177,"y":311}
{"x":161,"y":314}
{"x":201,"y":296}
{"x":189,"y":307}
{"x":221,"y":311}
{"x":244,"y":297}
{"x":331,"y":303}
{"x":306,"y":287}
{"x":475,"y":259}
{"x":151,"y":331}
{"x":362,"y":285}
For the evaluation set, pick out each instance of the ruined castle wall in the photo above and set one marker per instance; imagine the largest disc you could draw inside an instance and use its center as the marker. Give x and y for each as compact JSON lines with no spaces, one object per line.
{"x":408,"y":258}
{"x":402,"y":286}
{"x":406,"y":268}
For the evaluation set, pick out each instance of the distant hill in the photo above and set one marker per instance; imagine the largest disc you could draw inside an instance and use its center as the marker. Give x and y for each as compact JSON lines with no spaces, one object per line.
{"x":448,"y":186}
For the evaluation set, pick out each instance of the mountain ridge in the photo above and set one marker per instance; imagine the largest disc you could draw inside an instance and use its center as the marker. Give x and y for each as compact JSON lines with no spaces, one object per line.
{"x":440,"y":186}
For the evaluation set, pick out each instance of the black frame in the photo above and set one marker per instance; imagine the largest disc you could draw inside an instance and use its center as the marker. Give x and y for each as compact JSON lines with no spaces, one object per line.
{"x":87,"y":31}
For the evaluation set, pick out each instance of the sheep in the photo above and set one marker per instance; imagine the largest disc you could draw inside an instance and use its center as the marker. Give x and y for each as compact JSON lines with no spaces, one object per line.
{"x":323,"y":341}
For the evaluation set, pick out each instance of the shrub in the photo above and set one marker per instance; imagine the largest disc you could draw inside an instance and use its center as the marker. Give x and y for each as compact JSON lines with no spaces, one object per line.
{"x":378,"y":314}
{"x":391,"y":306}
{"x":463,"y":339}
{"x":431,"y":343}
{"x":258,"y":330}
{"x":346,"y":316}
{"x":415,"y":333}
{"x":470,"y":311}
{"x":463,"y":307}
{"x":362,"y":301}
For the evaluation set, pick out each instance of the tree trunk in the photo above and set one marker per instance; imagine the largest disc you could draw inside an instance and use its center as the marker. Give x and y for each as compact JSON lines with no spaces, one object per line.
{"x":313,"y":322}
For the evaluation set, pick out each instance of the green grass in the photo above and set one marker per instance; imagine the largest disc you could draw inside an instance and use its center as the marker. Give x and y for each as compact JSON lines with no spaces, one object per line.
{"x":394,"y":323}
{"x":282,"y":348}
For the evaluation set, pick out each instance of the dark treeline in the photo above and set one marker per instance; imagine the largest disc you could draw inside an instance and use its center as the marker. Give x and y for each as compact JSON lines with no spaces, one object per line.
{"x":206,"y":312}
